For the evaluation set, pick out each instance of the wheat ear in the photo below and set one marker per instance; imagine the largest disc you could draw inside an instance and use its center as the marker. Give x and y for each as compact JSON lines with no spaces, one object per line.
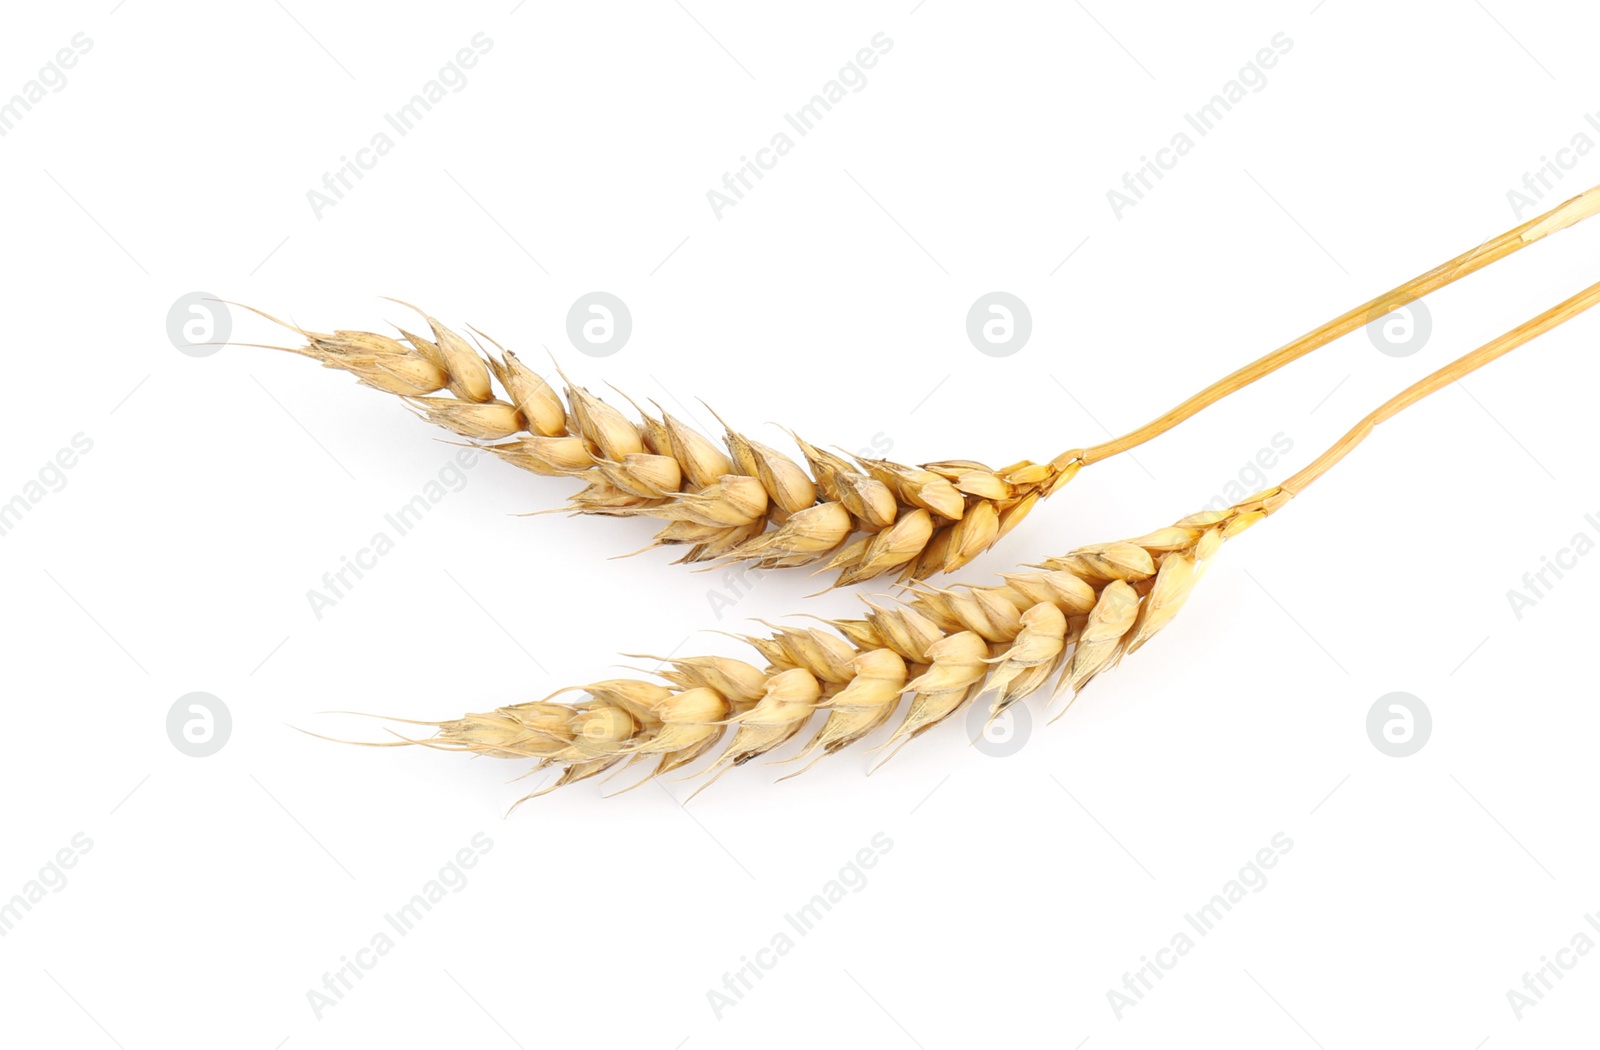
{"x":738,"y":500}
{"x":1065,"y":621}
{"x":746,"y":501}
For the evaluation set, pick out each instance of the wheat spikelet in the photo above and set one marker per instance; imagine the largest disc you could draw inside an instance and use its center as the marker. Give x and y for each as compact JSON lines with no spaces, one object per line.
{"x":746,"y":501}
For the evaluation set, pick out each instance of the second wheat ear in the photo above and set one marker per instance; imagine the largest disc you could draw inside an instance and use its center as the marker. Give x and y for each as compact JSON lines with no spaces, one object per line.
{"x":1068,"y":621}
{"x":744,"y":500}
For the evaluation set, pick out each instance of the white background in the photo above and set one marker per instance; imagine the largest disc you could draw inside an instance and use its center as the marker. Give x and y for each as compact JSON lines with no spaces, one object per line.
{"x":1018,"y":891}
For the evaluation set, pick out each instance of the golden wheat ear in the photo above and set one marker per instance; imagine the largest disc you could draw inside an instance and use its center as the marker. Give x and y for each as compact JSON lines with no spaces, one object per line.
{"x":1067,"y":620}
{"x":740,"y":500}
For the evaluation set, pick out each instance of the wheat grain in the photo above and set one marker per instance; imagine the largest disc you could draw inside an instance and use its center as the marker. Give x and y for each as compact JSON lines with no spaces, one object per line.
{"x":1067,"y":620}
{"x":744,"y":500}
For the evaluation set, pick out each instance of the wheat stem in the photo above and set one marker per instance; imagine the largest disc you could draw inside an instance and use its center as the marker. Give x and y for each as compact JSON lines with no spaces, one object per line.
{"x":1530,"y":232}
{"x":1450,"y":373}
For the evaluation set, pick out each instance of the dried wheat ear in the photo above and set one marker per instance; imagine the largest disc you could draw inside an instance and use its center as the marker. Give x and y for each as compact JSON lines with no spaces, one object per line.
{"x":1065,"y":621}
{"x":739,"y":499}
{"x":743,"y":500}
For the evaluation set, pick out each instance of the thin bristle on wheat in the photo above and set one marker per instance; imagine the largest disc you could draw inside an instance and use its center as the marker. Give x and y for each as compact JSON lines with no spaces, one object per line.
{"x":742,"y":500}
